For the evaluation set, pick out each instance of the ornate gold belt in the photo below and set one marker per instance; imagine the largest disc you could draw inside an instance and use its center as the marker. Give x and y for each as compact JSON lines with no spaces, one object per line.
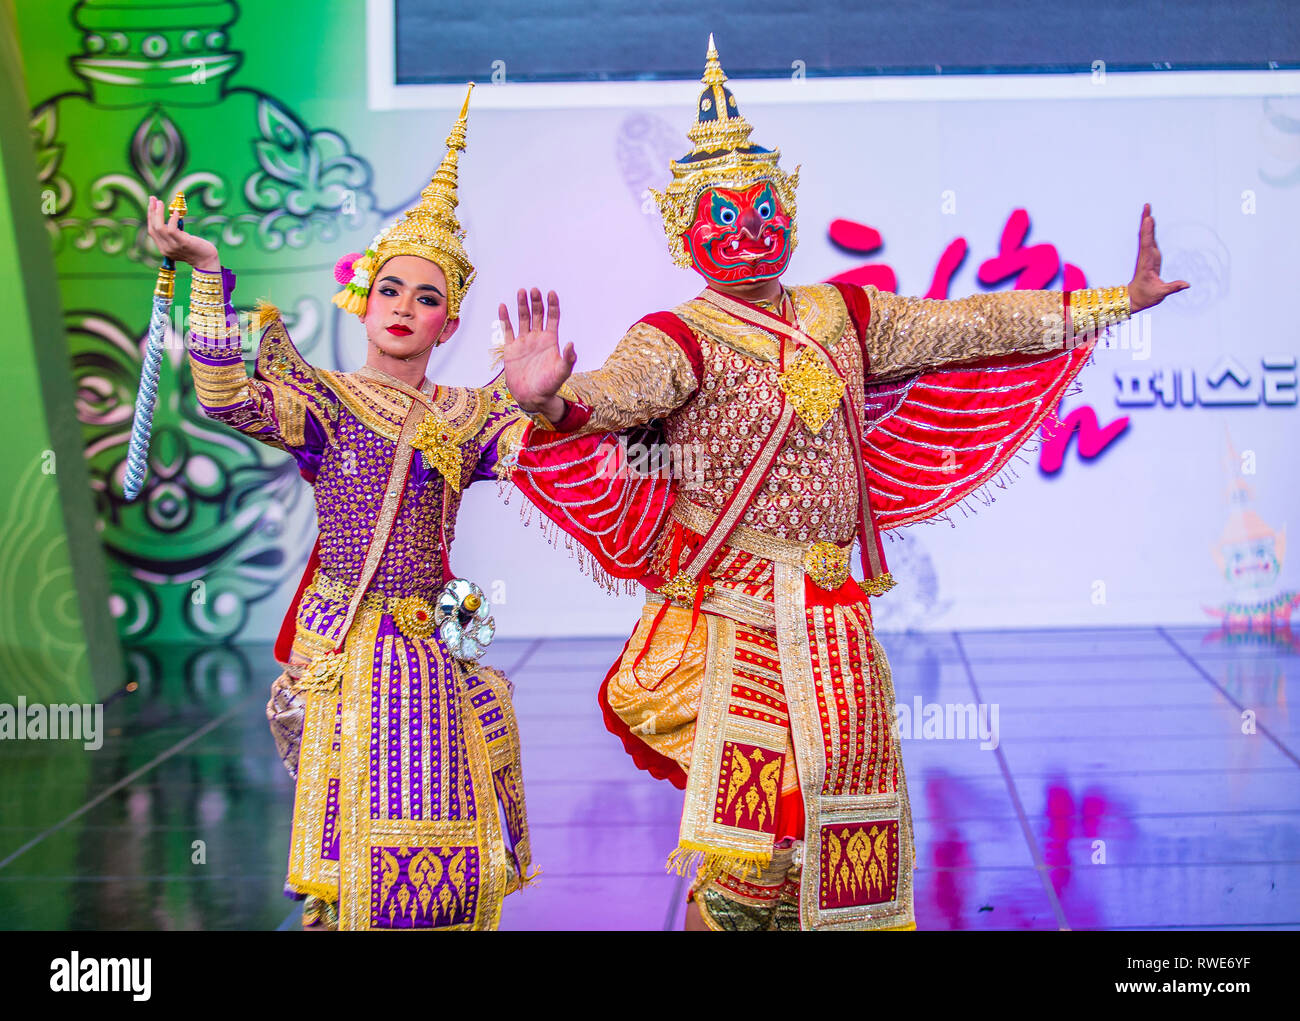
{"x":826,"y":563}
{"x":733,"y":605}
{"x":413,"y":615}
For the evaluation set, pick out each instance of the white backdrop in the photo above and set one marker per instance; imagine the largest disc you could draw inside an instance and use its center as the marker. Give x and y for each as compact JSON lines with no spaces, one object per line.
{"x":554,"y":197}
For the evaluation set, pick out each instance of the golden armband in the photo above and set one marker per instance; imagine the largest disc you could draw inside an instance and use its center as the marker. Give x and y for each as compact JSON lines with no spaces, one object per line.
{"x":1091,"y":311}
{"x":208,"y":322}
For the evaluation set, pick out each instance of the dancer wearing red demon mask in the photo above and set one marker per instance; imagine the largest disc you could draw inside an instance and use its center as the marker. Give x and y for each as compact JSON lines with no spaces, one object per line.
{"x":811,"y":416}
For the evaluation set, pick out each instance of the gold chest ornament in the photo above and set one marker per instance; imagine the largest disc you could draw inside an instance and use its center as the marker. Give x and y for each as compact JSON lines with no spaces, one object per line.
{"x":812,"y":389}
{"x":436,"y":440}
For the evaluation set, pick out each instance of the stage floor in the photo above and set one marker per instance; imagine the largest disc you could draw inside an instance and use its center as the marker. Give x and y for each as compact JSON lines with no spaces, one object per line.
{"x":1122,"y":793}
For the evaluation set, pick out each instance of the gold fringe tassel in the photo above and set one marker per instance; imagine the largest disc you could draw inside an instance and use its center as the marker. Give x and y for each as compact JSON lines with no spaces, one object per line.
{"x":587,"y":563}
{"x":709,"y":864}
{"x":264,"y":314}
{"x":518,"y":883}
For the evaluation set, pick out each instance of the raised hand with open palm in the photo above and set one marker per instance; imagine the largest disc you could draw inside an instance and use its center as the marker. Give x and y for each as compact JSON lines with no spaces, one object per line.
{"x":535,"y":366}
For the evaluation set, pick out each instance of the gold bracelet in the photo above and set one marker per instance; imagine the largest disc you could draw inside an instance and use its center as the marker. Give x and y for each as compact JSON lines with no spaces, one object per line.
{"x":1092,"y":310}
{"x":207,"y":285}
{"x":208,"y":316}
{"x":213,"y":325}
{"x":210,"y":320}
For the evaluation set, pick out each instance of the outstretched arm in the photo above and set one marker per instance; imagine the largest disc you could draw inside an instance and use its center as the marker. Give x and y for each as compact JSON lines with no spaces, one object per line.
{"x":647,"y":376}
{"x":296,"y":418}
{"x":910,"y":334}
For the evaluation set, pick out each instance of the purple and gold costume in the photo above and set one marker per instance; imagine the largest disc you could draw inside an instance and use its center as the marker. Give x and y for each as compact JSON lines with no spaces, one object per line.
{"x":400,"y":772}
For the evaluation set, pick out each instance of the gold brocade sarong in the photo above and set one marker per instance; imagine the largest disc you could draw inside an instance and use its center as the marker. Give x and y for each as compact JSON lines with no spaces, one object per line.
{"x":399,"y":778}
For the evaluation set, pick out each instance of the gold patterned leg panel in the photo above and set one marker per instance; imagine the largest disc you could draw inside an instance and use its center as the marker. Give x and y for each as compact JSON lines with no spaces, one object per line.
{"x":313,"y":840}
{"x":319,"y":913}
{"x":659,"y":701}
{"x":786,"y":916}
{"x":858,"y":850}
{"x":721,"y":913}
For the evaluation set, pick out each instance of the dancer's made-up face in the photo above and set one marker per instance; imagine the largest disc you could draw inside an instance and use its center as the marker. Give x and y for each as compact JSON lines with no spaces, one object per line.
{"x":407,"y":306}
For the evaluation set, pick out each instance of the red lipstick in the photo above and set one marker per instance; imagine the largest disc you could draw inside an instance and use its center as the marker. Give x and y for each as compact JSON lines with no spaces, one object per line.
{"x":399,"y":330}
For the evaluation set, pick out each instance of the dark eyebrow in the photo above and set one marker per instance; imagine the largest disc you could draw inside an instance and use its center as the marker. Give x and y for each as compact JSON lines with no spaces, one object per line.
{"x":418,"y":287}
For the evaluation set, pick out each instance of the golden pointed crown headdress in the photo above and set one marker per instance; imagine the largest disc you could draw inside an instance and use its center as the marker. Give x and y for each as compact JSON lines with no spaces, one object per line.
{"x":721,"y":156}
{"x":428,"y":229}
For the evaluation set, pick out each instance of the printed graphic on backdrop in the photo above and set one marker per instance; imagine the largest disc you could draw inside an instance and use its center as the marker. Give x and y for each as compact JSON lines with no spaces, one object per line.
{"x":1249,"y":555}
{"x":1034,"y":267}
{"x":271,"y":158}
{"x":220,"y":518}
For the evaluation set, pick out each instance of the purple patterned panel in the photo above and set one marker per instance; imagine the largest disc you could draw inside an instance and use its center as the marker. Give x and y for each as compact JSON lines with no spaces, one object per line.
{"x":423,"y":887}
{"x":329,"y":847}
{"x":415,"y":731}
{"x":376,"y":783}
{"x":393,"y":733}
{"x":349,"y":492}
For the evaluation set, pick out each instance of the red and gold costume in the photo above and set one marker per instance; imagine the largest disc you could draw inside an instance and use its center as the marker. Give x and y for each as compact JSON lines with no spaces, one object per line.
{"x":754,"y":680}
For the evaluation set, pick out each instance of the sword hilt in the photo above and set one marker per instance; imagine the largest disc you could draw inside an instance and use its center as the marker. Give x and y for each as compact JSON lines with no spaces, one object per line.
{"x":166,"y":285}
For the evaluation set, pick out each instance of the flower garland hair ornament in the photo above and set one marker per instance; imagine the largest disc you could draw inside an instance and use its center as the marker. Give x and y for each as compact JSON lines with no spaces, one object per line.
{"x":429,"y":229}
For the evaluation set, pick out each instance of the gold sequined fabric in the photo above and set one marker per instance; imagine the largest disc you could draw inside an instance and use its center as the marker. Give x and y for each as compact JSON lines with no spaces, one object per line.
{"x":664,"y":718}
{"x":811,"y":492}
{"x":647,"y":376}
{"x":907,"y":334}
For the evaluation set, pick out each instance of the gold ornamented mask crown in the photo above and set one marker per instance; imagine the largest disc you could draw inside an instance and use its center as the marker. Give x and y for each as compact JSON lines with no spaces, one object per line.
{"x":429,"y":229}
{"x":722,"y":156}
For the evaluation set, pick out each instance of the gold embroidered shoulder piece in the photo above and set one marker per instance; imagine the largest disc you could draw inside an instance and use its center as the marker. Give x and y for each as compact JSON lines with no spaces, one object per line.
{"x":379,"y":408}
{"x":464,"y":409}
{"x":725,"y":329}
{"x":822,"y":313}
{"x":296,"y":385}
{"x":820,"y":310}
{"x":382,"y":409}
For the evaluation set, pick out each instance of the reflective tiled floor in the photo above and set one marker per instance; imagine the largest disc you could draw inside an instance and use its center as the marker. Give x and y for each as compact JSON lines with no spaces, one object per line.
{"x":1145,"y":778}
